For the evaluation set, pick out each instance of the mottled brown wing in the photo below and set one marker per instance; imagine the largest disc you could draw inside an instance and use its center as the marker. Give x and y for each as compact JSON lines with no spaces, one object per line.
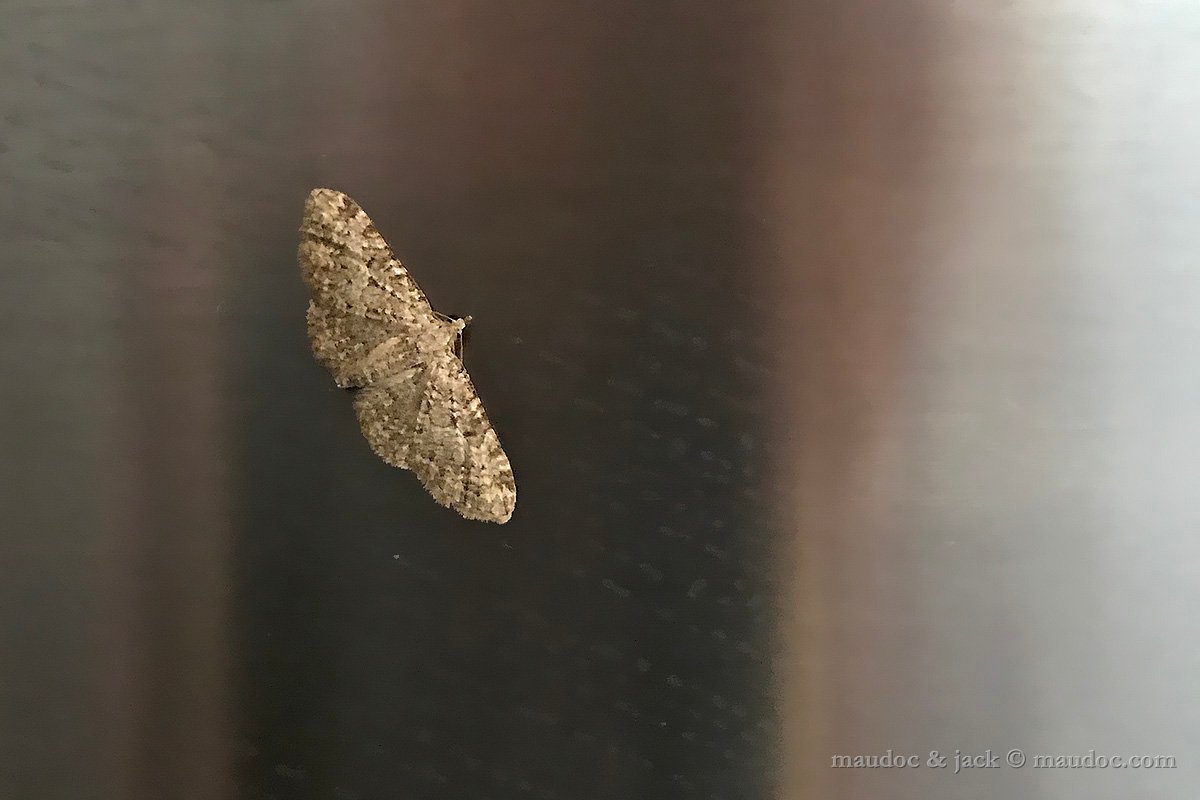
{"x":365,"y":309}
{"x":454,"y":450}
{"x":387,"y":412}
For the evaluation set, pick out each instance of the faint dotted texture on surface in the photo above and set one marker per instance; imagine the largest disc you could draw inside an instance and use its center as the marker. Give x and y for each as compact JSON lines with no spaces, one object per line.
{"x":577,"y":191}
{"x":613,"y":640}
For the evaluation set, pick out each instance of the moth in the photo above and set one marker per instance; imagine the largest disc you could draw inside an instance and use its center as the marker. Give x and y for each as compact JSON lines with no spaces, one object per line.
{"x":372,"y":327}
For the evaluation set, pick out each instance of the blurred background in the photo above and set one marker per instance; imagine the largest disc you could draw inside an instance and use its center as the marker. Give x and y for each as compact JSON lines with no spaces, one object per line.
{"x":844,"y":352}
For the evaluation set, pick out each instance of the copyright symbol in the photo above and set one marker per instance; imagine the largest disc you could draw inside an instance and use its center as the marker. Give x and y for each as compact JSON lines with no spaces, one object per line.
{"x":1015,"y":758}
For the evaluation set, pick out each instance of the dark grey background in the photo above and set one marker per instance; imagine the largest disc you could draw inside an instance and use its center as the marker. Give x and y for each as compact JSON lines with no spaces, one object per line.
{"x":844,"y":353}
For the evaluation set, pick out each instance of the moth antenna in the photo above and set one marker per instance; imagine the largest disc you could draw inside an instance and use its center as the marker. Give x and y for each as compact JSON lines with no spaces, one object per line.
{"x":461,"y":342}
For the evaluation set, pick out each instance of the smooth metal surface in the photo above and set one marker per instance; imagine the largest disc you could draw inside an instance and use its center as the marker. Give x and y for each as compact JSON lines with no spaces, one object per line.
{"x":844,"y":353}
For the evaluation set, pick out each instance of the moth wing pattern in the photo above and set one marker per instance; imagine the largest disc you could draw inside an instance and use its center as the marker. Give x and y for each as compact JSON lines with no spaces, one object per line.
{"x":387,"y":413}
{"x":455,"y":451}
{"x":365,"y":306}
{"x":373,"y":328}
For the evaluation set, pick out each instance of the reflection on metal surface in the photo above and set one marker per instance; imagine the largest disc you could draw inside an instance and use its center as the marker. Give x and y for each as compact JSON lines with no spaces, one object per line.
{"x":985,"y":216}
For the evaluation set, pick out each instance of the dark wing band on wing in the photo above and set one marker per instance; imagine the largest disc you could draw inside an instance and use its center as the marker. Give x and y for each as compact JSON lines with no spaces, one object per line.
{"x":362,"y":296}
{"x":456,"y":453}
{"x":387,"y":413}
